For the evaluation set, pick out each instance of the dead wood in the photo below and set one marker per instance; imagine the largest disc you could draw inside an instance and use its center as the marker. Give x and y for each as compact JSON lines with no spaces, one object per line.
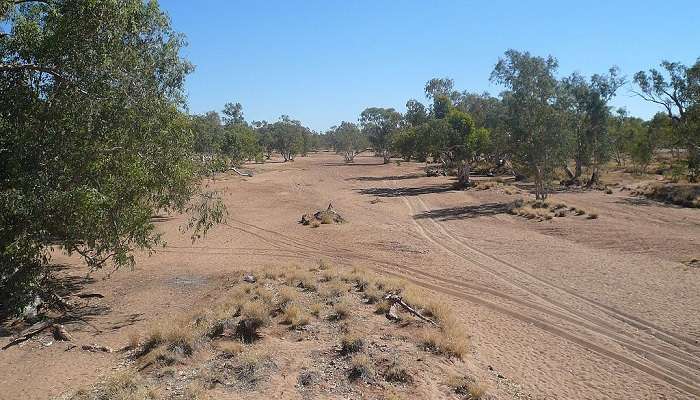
{"x":28,"y":333}
{"x":60,"y":333}
{"x":395,"y":299}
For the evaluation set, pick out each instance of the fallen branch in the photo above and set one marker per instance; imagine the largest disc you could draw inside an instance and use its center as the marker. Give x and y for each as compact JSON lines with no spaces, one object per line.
{"x":248,"y":174}
{"x":28,"y":333}
{"x":97,"y":347}
{"x":395,"y":299}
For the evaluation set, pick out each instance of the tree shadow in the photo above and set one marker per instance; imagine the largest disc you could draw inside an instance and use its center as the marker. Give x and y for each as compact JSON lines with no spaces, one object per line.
{"x":454,"y":213}
{"x":641,"y":201}
{"x":386,"y":178}
{"x":342,"y":164}
{"x":76,"y":307}
{"x":407,"y":191}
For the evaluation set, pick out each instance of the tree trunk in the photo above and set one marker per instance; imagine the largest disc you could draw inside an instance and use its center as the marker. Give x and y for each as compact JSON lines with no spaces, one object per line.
{"x":463,"y":175}
{"x":540,"y":192}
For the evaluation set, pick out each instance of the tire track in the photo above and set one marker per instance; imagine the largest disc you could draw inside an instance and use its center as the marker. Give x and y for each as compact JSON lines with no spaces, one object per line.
{"x":682,"y":383}
{"x":675,"y":363}
{"x":671,"y":338}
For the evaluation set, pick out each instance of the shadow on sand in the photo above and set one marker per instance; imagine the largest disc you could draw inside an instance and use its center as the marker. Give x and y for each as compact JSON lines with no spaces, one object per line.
{"x":80,"y":309}
{"x":386,"y":178}
{"x":454,"y":213}
{"x":407,"y":191}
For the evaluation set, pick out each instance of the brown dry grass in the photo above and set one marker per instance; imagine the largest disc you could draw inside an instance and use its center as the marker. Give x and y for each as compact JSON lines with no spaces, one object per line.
{"x":351,"y":343}
{"x":294,"y":316}
{"x":126,"y":385}
{"x":361,"y":367}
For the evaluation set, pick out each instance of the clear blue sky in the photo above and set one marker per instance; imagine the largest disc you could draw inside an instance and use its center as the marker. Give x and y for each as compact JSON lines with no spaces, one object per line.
{"x":325,"y":61}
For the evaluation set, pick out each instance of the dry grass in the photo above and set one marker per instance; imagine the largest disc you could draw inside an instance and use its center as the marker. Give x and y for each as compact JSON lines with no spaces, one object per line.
{"x":382,"y":307}
{"x":470,"y":388}
{"x":134,"y":341}
{"x":301,"y":278}
{"x":196,"y":391}
{"x":396,"y":372}
{"x":439,"y":310}
{"x":326,"y":218}
{"x":351,"y":343}
{"x":294,"y":316}
{"x":361,"y":367}
{"x":315,"y":309}
{"x":125,"y":385}
{"x":341,"y":309}
{"x":286,"y":295}
{"x":450,"y":339}
{"x":333,"y":289}
{"x":230,"y":348}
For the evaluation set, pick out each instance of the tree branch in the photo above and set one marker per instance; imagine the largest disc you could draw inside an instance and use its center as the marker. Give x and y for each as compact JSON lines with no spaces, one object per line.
{"x":39,"y":68}
{"x":32,"y":67}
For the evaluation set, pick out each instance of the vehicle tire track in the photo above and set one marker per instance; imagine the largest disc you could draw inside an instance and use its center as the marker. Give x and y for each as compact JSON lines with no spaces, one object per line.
{"x":683,"y":383}
{"x":671,"y":338}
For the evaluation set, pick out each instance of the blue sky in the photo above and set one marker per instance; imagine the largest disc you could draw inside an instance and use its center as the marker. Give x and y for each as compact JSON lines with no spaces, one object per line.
{"x":325,"y":61}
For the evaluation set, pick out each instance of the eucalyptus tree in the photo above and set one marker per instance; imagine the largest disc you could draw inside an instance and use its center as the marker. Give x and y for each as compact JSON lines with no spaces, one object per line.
{"x":288,"y":137}
{"x":348,"y":140}
{"x":677,"y":89}
{"x":233,"y":114}
{"x":379,"y":124}
{"x":535,"y":123}
{"x":416,"y":113}
{"x":92,"y":137}
{"x":488,"y":112}
{"x":586,"y":104}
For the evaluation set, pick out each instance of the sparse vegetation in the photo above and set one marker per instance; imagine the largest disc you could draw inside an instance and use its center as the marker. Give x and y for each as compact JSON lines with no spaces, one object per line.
{"x":361,"y":367}
{"x":351,"y":343}
{"x":125,"y":385}
{"x":469,"y":387}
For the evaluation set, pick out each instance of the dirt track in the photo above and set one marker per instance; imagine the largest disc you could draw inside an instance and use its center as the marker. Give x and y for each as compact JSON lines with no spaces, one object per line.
{"x":569,"y":308}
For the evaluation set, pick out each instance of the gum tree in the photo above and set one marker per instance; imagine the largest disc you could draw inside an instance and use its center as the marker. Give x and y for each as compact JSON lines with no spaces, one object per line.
{"x":379,"y":124}
{"x":535,"y":123}
{"x":93,"y":141}
{"x":677,"y":89}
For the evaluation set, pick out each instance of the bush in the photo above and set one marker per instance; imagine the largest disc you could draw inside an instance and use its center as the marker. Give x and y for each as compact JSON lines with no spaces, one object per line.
{"x":294,"y":316}
{"x":351,"y":343}
{"x":361,"y":367}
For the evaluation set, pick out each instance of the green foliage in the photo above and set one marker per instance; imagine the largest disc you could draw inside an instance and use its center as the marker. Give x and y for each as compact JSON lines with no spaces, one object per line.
{"x":348,"y":140}
{"x":587,"y":116}
{"x":92,"y":139}
{"x":535,"y":121}
{"x":379,"y":124}
{"x":677,"y":89}
{"x":403,"y":141}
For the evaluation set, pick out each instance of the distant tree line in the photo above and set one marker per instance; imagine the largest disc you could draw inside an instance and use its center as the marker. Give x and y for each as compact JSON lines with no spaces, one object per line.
{"x":540,"y":125}
{"x":228,"y":139}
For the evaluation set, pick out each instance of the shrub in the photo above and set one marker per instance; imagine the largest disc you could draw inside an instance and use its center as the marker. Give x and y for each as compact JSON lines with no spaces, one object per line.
{"x":294,"y":316}
{"x":315,"y":309}
{"x":341,"y":310}
{"x":254,"y":315}
{"x":125,"y":385}
{"x":230,"y":349}
{"x":351,"y":343}
{"x":468,"y":387}
{"x":361,"y":368}
{"x":397,"y":372}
